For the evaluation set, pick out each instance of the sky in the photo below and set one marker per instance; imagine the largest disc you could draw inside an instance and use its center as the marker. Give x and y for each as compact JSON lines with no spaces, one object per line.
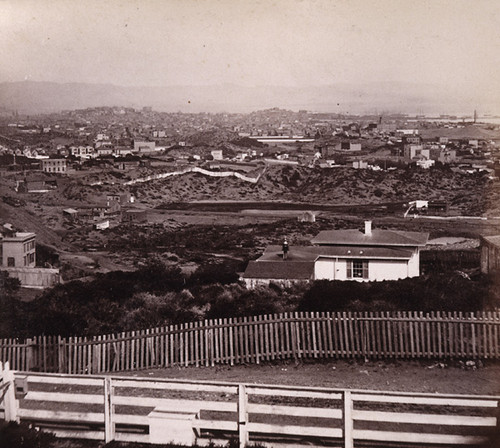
{"x":252,"y":42}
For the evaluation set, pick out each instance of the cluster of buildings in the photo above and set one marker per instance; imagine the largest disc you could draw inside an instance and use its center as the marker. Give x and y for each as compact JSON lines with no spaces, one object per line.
{"x":112,"y":137}
{"x":118,"y":207}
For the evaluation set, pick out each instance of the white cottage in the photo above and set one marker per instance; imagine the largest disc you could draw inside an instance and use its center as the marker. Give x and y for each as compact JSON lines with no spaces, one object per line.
{"x":357,"y":255}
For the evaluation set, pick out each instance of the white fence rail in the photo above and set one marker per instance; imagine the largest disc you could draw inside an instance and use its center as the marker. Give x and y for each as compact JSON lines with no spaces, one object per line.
{"x":185,"y":412}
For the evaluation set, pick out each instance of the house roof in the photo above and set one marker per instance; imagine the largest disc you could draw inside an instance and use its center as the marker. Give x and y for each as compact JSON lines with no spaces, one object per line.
{"x":378,"y":237}
{"x":312,"y":253}
{"x":495,"y":239}
{"x":19,"y":237}
{"x":280,"y":270}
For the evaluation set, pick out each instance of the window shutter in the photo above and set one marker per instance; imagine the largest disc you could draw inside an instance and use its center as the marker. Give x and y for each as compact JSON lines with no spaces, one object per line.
{"x":349,"y":269}
{"x":365,"y":269}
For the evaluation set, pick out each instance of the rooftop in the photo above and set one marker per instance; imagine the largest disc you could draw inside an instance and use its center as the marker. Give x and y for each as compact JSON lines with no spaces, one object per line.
{"x":282,"y":270}
{"x":495,"y":239}
{"x":376,"y":237}
{"x":19,"y":236}
{"x":311,"y":253}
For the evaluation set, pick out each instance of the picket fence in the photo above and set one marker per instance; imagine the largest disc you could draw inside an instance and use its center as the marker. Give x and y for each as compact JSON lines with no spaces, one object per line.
{"x":152,"y":410}
{"x":256,"y":339}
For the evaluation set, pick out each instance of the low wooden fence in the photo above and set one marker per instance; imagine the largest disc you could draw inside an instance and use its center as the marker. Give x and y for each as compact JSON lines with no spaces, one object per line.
{"x":147,"y":410}
{"x":297,"y":335}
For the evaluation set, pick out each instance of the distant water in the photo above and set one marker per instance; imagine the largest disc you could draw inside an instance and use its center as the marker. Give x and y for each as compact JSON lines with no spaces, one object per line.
{"x":488,"y":120}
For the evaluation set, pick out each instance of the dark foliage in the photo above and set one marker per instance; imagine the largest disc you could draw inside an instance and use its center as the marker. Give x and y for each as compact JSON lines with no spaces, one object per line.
{"x":46,"y":256}
{"x":158,"y":295}
{"x":438,"y":292}
{"x":13,"y":435}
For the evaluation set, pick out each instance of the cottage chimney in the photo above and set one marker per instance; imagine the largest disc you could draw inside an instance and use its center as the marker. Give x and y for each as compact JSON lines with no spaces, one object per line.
{"x":368,"y":228}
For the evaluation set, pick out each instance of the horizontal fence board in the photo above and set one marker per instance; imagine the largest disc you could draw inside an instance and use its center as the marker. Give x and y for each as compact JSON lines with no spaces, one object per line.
{"x":427,"y":419}
{"x":83,"y":417}
{"x":167,"y":404}
{"x":130,"y":437}
{"x":81,"y":381}
{"x":75,"y":434}
{"x":293,"y":430}
{"x":61,"y":397}
{"x":425,"y":400}
{"x":294,"y":411}
{"x":62,"y":416}
{"x":176,"y":386}
{"x":219,"y":425}
{"x":418,"y":437}
{"x":294,"y":393}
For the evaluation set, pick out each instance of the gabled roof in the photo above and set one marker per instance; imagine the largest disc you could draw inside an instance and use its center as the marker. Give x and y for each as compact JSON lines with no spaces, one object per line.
{"x":280,"y":270}
{"x":495,"y":239}
{"x":377,"y":237}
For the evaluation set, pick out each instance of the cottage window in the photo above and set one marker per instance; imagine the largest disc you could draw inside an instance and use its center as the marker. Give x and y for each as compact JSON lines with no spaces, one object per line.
{"x":11,"y":262}
{"x":357,"y":269}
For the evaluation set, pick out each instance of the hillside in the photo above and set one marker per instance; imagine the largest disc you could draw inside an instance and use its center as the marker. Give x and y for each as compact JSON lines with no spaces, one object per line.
{"x":466,"y":194}
{"x":28,"y":221}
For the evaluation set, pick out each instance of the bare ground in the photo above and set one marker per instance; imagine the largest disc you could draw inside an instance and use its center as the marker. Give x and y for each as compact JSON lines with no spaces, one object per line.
{"x":429,"y":376}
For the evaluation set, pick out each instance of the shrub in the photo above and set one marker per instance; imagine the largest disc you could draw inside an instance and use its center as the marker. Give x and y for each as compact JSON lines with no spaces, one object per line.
{"x":14,"y":435}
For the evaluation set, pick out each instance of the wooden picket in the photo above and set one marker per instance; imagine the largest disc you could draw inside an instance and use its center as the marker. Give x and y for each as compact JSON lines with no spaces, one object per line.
{"x":256,"y":339}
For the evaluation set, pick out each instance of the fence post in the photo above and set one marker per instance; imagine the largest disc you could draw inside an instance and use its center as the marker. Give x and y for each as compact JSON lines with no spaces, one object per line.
{"x":348,"y":422}
{"x":60,"y":355}
{"x":242,"y":416}
{"x":29,"y":354}
{"x":7,"y":393}
{"x":109,"y":425}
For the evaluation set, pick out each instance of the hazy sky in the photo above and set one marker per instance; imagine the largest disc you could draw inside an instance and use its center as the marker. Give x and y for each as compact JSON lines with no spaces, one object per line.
{"x":252,"y":42}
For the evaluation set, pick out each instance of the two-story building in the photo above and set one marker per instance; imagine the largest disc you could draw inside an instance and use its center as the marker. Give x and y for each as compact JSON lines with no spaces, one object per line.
{"x":18,"y":258}
{"x":54,"y":165}
{"x":18,"y":250}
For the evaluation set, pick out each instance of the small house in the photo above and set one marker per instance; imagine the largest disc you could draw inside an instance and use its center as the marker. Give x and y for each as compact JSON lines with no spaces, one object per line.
{"x":490,"y":254}
{"x":135,"y":216}
{"x":348,"y":146}
{"x":217,"y":154}
{"x":355,"y":255}
{"x":70,"y":214}
{"x":101,"y":225}
{"x":144,"y":147}
{"x":307,"y":216}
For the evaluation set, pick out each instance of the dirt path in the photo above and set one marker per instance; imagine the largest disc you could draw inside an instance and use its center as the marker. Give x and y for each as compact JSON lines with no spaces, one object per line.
{"x":404,"y":376}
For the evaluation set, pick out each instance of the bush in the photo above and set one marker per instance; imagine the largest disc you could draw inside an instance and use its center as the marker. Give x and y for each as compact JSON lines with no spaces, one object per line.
{"x":437,"y":292}
{"x":14,"y":435}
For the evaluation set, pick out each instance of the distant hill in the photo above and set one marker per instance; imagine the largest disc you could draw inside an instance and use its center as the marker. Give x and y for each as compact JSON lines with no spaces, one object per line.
{"x":32,"y":97}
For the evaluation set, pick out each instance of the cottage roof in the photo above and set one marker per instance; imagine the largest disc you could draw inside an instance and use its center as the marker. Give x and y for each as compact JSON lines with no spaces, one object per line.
{"x":377,"y":237}
{"x":280,"y":270}
{"x":495,"y":240}
{"x":312,"y":253}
